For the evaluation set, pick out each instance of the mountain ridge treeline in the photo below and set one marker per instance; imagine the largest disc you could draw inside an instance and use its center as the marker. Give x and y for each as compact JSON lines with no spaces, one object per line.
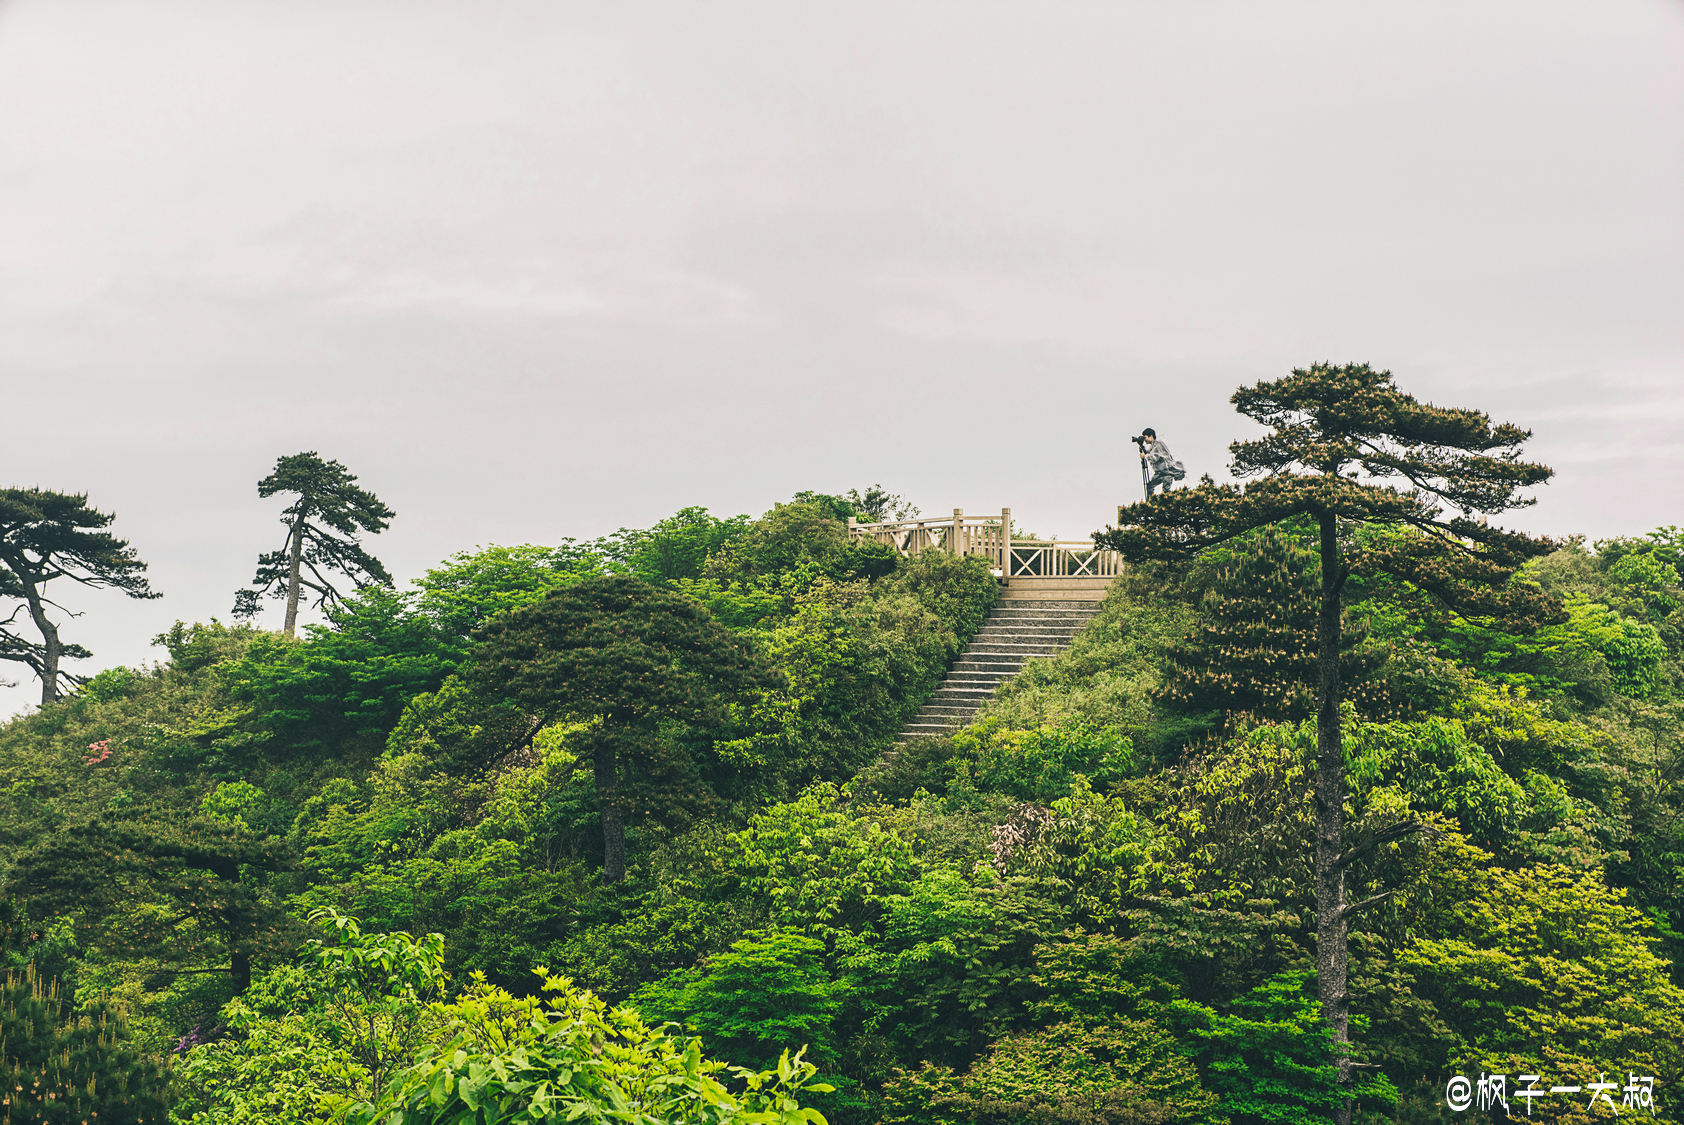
{"x":1094,"y":904}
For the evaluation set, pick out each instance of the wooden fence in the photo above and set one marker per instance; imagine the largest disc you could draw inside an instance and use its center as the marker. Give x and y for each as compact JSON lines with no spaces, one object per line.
{"x":981,"y":535}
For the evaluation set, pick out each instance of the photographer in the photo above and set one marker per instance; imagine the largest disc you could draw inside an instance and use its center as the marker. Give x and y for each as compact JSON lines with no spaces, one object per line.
{"x":1155,"y":455}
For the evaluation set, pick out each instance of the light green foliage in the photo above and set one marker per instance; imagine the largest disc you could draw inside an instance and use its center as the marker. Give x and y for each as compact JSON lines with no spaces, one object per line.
{"x":1127,"y":1072}
{"x":769,"y":994}
{"x":1547,"y":970}
{"x":232,"y":801}
{"x":1432,"y":765}
{"x":399,"y":855}
{"x":860,"y":658}
{"x":1632,"y":649}
{"x":312,"y":1039}
{"x":565,"y":1056}
{"x":1269,"y":1057}
{"x":342,"y":690}
{"x":1042,"y":765}
{"x":678,"y":547}
{"x":934,"y":955}
{"x":471,"y":587}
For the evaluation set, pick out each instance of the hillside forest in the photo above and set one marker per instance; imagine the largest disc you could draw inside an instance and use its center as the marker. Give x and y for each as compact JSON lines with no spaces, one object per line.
{"x":619,"y":830}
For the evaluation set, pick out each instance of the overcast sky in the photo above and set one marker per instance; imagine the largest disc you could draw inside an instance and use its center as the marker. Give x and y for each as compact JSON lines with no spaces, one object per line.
{"x":545,"y":269}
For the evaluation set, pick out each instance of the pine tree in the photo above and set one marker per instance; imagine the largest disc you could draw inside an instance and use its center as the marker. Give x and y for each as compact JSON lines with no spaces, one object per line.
{"x":323,"y":528}
{"x":60,"y":1065}
{"x":46,"y":536}
{"x":1344,"y":437}
{"x":1254,"y":652}
{"x":625,"y":656}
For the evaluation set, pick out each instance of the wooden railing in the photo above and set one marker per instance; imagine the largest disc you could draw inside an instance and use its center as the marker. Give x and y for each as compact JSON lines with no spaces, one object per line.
{"x":981,"y":535}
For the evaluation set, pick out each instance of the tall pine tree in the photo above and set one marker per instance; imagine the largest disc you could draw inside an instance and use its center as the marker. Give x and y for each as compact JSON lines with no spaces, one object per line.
{"x":1349,"y":448}
{"x":324,"y":527}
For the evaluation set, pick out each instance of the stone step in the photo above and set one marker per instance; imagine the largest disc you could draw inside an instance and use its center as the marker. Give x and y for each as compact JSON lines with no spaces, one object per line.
{"x":1014,"y":633}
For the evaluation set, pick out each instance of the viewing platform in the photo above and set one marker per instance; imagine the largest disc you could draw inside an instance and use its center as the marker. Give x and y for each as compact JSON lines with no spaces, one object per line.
{"x":1028,"y":569}
{"x":1049,"y":592}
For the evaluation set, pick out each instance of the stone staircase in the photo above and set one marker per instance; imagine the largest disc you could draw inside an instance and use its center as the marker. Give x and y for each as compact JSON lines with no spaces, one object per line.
{"x":1015,"y":631}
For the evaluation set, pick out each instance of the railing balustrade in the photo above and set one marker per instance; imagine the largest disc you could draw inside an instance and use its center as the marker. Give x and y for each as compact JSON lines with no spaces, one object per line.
{"x":981,"y":535}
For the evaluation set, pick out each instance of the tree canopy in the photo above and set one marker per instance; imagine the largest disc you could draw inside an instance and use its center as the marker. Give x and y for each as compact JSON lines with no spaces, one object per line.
{"x":626,"y":656}
{"x":324,"y":528}
{"x":46,"y":536}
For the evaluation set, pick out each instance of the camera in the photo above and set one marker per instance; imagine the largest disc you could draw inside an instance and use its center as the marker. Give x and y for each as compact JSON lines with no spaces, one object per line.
{"x":1140,"y":441}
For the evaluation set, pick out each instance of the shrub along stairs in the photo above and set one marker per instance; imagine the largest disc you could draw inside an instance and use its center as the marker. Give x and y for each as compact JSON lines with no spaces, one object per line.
{"x":1017,"y":630}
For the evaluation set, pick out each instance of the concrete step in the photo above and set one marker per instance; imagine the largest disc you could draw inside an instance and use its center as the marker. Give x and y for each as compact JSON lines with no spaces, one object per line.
{"x":1006,"y":665}
{"x":1016,"y":631}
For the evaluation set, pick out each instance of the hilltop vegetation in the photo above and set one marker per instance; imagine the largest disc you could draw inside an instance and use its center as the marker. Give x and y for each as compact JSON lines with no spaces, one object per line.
{"x":1094,"y":905}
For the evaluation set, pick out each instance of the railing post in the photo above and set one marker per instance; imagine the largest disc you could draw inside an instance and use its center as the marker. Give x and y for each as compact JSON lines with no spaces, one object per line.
{"x":1005,"y":546}
{"x":953,"y":543}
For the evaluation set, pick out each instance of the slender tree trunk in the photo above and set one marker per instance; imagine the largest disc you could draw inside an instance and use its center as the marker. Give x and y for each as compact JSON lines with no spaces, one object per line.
{"x":613,"y":817}
{"x":50,"y":646}
{"x":1331,"y":949}
{"x":292,"y":578}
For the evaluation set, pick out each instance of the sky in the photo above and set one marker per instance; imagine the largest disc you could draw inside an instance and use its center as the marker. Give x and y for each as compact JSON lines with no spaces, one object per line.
{"x":535,"y":269}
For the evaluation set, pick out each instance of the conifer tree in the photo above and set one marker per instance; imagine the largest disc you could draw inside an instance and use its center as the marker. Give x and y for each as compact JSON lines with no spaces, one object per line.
{"x":625,"y":656}
{"x":1349,"y":448}
{"x":1254,"y":651}
{"x":189,"y":893}
{"x":323,"y":529}
{"x":61,"y":1065}
{"x":45,"y":536}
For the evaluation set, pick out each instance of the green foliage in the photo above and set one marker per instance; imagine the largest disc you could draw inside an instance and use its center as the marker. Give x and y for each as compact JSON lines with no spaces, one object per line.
{"x":1110,"y":674}
{"x":798,"y":542}
{"x":769,"y":994}
{"x":346,"y":686}
{"x":60,"y":1064}
{"x":1255,"y":650}
{"x":1127,"y":1072}
{"x":1041,"y":765}
{"x":1044,"y":917}
{"x":566,"y":1056}
{"x":312,"y":1039}
{"x":1547,"y":970}
{"x":181,"y":895}
{"x":47,"y":536}
{"x":1270,"y":1059}
{"x":471,"y":587}
{"x":624,"y":657}
{"x":859,"y":658}
{"x":679,"y":546}
{"x":1431,"y":765}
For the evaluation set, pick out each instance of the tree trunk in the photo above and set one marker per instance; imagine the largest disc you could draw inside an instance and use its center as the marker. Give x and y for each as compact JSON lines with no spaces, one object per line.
{"x":1331,"y":951}
{"x":613,"y":817}
{"x":50,"y":646}
{"x":292,"y":577}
